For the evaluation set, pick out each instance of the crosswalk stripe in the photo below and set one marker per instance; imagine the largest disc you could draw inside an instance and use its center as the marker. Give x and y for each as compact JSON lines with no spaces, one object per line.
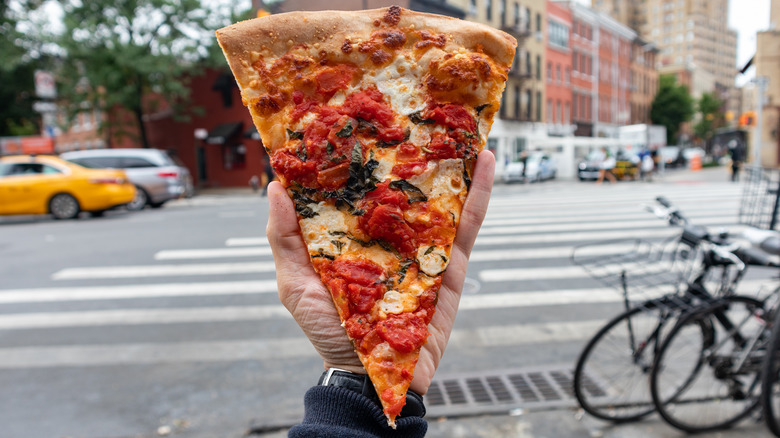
{"x":269,"y":349}
{"x":246,"y":241}
{"x":212,"y":253}
{"x":543,"y":253}
{"x":603,"y":225}
{"x":546,"y":201}
{"x":572,"y":237}
{"x":600,"y":215}
{"x":85,"y":293}
{"x":522,"y":274}
{"x":162,"y":270}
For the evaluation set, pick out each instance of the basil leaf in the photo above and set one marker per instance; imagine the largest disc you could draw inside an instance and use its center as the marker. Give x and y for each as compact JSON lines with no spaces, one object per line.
{"x":346,"y":131}
{"x":402,"y":270}
{"x":301,"y":151}
{"x":414,"y":193}
{"x":417,"y":119}
{"x":294,"y":135}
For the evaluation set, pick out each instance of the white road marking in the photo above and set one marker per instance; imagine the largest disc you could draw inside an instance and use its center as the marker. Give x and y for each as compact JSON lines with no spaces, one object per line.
{"x":162,"y":270}
{"x":271,"y":349}
{"x":84,"y":293}
{"x":605,"y":225}
{"x":212,"y":253}
{"x":246,"y":241}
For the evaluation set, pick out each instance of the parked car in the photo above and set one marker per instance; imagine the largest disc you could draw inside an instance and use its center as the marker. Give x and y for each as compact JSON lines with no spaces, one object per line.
{"x":46,"y":184}
{"x":539,"y":167}
{"x":673,"y":156}
{"x":626,"y":165}
{"x":158,"y":177}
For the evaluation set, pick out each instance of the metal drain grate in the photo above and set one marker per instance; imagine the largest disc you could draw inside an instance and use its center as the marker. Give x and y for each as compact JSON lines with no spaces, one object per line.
{"x":500,"y":391}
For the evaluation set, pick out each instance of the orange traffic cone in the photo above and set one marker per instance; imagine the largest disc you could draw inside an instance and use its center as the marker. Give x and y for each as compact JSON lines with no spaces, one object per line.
{"x":695,"y":162}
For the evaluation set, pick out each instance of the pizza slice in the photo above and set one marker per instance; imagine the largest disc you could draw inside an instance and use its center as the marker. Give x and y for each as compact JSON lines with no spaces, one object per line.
{"x":373,"y":120}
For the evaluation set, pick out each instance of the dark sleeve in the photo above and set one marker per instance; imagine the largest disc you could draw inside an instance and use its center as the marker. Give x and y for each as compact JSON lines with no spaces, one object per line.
{"x":332,"y":412}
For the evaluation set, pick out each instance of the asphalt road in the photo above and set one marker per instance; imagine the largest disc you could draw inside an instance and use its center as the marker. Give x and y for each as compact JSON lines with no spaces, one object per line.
{"x":167,"y":321}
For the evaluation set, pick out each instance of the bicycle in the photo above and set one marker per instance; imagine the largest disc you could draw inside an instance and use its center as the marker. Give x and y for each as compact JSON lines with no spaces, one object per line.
{"x":707,"y":371}
{"x":610,"y":378}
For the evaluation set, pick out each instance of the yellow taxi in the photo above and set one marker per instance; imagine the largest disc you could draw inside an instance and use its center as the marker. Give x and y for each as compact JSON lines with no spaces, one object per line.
{"x":45,"y":184}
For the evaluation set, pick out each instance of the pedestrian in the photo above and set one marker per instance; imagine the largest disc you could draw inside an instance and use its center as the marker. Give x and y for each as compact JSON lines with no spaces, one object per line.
{"x":254,"y":182}
{"x":606,"y":166}
{"x":737,"y":157}
{"x":268,"y":175}
{"x":646,"y":165}
{"x":524,"y":160}
{"x":340,"y":410}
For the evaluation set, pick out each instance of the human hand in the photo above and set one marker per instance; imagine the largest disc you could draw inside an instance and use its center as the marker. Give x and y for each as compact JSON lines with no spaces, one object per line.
{"x":310,"y":303}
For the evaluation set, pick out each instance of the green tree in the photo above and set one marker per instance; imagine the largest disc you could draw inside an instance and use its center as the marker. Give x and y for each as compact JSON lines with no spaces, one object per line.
{"x":134,"y":55}
{"x":17,"y":67}
{"x":672,"y":106}
{"x":711,"y":110}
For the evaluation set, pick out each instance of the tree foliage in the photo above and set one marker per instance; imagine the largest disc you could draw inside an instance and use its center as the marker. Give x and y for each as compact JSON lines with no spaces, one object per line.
{"x":710,"y":109}
{"x":135,"y":55}
{"x":672,"y":106}
{"x":17,"y":87}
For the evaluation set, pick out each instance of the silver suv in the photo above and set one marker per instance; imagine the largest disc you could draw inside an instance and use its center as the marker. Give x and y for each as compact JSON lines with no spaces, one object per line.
{"x":158,"y":177}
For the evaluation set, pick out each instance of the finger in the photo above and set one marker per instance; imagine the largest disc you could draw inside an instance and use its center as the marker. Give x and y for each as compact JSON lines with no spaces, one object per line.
{"x":476,"y":205}
{"x":282,"y":230}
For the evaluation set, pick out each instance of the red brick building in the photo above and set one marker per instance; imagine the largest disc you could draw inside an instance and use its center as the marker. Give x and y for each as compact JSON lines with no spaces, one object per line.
{"x":583,"y":83}
{"x":558,"y":86}
{"x":216,"y":143}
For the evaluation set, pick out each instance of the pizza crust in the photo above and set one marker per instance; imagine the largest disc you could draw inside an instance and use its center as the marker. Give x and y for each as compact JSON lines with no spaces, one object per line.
{"x":274,"y":35}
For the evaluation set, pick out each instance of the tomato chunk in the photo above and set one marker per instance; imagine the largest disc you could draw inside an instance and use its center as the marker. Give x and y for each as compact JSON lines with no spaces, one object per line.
{"x":404,"y":332}
{"x":292,"y":168}
{"x":387,"y":223}
{"x":453,"y":116}
{"x":332,"y":79}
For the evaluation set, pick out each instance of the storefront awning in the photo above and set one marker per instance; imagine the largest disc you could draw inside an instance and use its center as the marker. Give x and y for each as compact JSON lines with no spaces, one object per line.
{"x":252,"y":133}
{"x":222,"y":133}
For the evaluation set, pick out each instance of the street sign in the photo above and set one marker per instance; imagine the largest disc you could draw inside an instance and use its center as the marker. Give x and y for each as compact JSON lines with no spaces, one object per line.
{"x":45,"y":86}
{"x":45,"y":107}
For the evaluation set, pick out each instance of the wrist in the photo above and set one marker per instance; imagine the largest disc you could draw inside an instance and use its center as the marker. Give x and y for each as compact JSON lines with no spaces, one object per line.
{"x":360,"y":383}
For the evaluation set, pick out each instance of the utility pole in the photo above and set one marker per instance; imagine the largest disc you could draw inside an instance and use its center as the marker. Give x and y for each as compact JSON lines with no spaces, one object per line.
{"x":761,"y":85}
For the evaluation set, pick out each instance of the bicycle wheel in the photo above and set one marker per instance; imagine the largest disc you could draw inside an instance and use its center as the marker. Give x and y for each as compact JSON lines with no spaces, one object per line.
{"x":703,"y":380}
{"x":610,"y":379}
{"x":770,"y":380}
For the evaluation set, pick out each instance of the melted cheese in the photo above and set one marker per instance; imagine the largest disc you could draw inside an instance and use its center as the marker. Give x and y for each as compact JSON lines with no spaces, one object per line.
{"x":394,"y":302}
{"x":432,"y":260}
{"x":402,"y":84}
{"x":316,"y":230}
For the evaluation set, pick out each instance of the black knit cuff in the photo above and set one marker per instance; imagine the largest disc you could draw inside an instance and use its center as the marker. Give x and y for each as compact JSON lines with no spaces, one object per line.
{"x":332,"y":412}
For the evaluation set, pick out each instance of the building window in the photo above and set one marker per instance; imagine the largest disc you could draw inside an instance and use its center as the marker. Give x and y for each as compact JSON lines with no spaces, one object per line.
{"x":528,"y":19}
{"x":575,"y":58}
{"x":558,"y":34}
{"x":558,"y":73}
{"x":549,"y":72}
{"x":574,"y":98}
{"x":528,"y":69}
{"x":538,"y":67}
{"x":502,"y":109}
{"x":567,"y":78}
{"x":234,"y":157}
{"x":566,"y":115}
{"x":473,"y":7}
{"x":529,"y":103}
{"x":538,"y":105}
{"x":489,"y":10}
{"x":538,"y":25}
{"x":502,"y":12}
{"x":517,"y":15}
{"x":558,"y":115}
{"x":518,"y":109}
{"x":550,"y":116}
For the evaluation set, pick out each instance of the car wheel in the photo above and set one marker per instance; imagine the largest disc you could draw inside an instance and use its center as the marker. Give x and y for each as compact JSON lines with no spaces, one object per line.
{"x":140,"y":200}
{"x":64,"y":206}
{"x":552,"y":175}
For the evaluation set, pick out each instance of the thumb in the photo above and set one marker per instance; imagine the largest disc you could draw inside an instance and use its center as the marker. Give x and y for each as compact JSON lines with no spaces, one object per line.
{"x":282,"y":230}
